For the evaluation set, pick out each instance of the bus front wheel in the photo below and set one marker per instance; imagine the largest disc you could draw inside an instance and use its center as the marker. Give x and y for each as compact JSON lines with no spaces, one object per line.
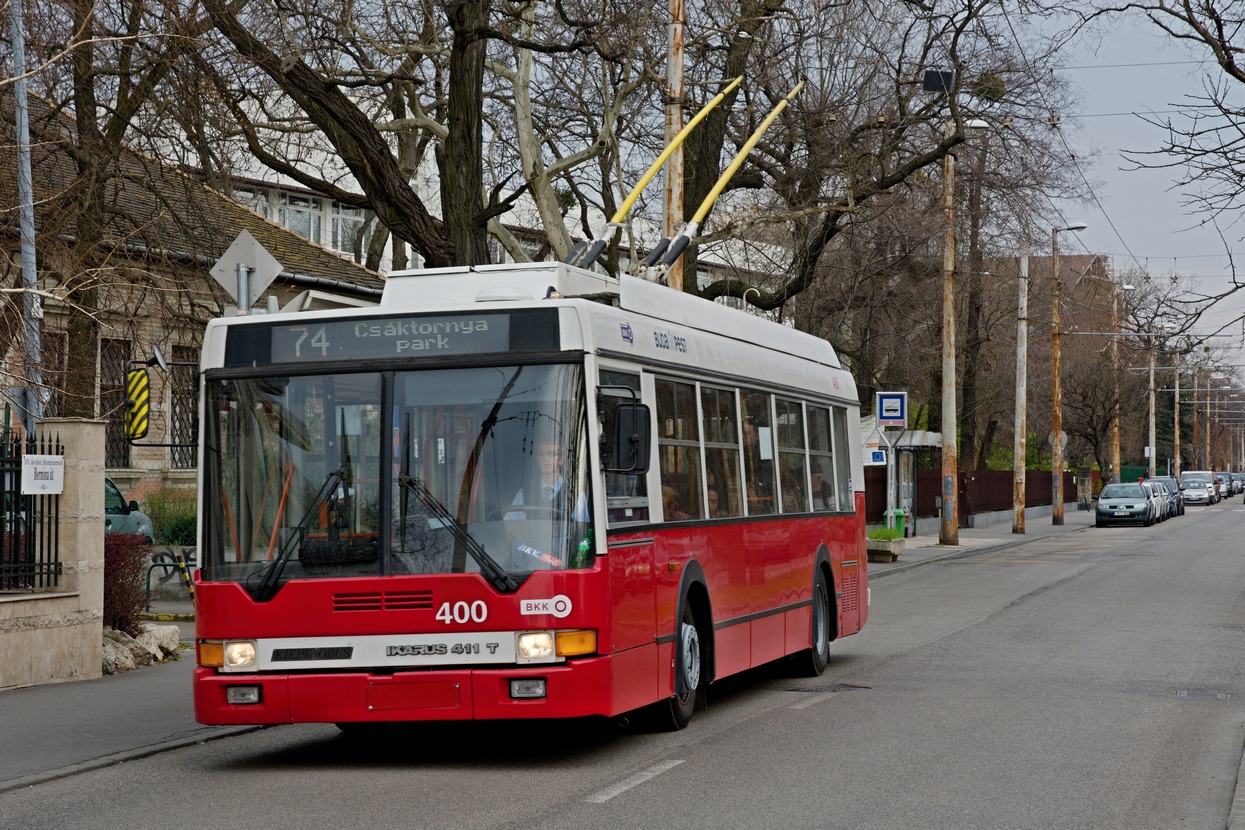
{"x":687,"y":642}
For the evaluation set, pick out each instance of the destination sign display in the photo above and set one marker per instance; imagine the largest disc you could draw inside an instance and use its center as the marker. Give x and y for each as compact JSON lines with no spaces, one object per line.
{"x":402,"y":336}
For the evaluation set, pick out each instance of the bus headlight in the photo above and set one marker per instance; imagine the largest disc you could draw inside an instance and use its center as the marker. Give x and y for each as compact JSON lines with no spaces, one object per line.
{"x":535,"y":647}
{"x":240,"y":655}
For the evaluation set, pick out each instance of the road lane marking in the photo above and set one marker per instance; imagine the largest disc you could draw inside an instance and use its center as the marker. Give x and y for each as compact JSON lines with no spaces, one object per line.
{"x":811,"y":701}
{"x":602,"y":796}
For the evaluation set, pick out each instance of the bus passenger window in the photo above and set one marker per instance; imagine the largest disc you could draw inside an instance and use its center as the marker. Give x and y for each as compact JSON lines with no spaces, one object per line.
{"x":758,"y":454}
{"x":842,"y":468}
{"x":821,"y":459}
{"x":626,"y":494}
{"x":723,"y":485}
{"x":678,"y":445}
{"x":792,"y":470}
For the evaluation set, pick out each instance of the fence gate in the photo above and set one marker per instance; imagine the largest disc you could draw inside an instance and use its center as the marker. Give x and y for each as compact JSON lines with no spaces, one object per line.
{"x":29,"y":538}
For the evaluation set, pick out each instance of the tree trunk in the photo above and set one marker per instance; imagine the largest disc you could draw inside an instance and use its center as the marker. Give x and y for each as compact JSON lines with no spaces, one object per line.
{"x":461,"y":157}
{"x":88,"y":204}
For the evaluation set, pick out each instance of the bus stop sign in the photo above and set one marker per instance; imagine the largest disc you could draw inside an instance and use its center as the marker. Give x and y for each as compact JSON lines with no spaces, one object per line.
{"x":892,"y":409}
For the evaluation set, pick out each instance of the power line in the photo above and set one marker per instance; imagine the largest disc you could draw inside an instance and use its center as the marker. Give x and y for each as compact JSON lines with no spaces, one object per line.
{"x":1076,"y":163}
{"x":1130,"y":65}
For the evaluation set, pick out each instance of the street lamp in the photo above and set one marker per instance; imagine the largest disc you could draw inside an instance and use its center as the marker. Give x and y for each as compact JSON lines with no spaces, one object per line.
{"x":1056,"y":428}
{"x":949,"y":522}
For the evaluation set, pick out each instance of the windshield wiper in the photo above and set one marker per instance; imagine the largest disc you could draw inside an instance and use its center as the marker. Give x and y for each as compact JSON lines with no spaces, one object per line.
{"x":492,"y":571}
{"x":267,"y":587}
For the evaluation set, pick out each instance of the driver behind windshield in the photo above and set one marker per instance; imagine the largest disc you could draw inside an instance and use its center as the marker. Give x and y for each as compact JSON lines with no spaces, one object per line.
{"x":548,"y":490}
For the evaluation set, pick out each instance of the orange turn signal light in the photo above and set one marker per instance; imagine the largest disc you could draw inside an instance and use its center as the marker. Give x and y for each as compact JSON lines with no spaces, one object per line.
{"x":211,"y":655}
{"x":575,"y":643}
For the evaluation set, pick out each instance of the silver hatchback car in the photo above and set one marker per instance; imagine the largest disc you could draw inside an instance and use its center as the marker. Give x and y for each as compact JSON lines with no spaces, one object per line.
{"x":121,"y":516}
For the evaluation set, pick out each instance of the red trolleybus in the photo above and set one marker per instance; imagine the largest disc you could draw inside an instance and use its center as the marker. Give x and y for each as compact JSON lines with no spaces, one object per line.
{"x":518,"y":492}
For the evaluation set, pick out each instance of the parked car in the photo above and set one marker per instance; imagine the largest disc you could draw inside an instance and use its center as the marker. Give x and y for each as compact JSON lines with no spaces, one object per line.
{"x":1238,"y":483}
{"x":121,"y":516}
{"x":1199,"y":487}
{"x":1176,"y":506}
{"x":1124,"y":504}
{"x":1225,"y":485}
{"x":1158,"y":498}
{"x":1170,"y":490}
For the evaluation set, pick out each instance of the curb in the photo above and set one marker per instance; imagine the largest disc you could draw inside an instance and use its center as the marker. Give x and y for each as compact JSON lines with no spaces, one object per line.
{"x":960,"y":552}
{"x":122,"y":757}
{"x":167,"y":617}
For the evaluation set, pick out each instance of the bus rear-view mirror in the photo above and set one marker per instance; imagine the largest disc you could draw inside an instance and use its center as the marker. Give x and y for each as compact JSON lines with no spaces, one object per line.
{"x":629,"y":444}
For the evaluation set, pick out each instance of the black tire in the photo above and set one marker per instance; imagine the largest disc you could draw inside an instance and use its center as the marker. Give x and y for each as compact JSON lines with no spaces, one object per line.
{"x":813,"y":660}
{"x":1099,"y":523}
{"x":680,"y":707}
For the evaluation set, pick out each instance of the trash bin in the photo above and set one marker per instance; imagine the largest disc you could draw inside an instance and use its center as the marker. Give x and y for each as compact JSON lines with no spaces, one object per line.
{"x":899,"y":517}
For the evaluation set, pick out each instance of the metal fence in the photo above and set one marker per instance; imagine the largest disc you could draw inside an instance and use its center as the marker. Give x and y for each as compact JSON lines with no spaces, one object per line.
{"x":29,"y":538}
{"x":981,"y":491}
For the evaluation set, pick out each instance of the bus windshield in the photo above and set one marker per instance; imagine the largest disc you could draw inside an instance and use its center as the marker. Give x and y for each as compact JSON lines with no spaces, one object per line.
{"x":436,"y":471}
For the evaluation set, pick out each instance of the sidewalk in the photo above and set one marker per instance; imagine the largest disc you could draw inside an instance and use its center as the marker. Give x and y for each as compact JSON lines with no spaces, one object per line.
{"x":66,"y":728}
{"x":924,"y":547}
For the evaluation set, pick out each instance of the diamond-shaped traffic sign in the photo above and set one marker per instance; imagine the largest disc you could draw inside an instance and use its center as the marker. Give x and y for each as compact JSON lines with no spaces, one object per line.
{"x":262,"y":268}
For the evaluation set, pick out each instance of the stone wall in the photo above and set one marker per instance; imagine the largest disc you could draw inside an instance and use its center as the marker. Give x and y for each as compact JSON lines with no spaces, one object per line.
{"x":54,"y":636}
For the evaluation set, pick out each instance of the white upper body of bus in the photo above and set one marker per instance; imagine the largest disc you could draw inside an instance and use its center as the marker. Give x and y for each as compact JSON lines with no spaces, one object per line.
{"x":626,"y":318}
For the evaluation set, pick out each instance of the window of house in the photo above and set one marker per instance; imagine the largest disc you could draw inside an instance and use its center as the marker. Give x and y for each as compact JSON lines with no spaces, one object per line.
{"x":254,"y":198}
{"x":183,"y":407}
{"x":348,"y":229}
{"x":55,"y":347}
{"x":113,"y":356}
{"x":301,"y":214}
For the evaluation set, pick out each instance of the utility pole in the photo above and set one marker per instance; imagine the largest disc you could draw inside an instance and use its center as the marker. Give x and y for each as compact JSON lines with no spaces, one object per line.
{"x":1056,"y":385}
{"x":1176,"y":419}
{"x":1153,"y":441}
{"x":1115,"y":382}
{"x":1022,"y":383}
{"x":949,"y":523}
{"x":674,"y":123}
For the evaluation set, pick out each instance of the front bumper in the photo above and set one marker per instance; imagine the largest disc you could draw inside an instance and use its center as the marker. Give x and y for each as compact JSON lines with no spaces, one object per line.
{"x":577,"y":689}
{"x":1128,"y":517}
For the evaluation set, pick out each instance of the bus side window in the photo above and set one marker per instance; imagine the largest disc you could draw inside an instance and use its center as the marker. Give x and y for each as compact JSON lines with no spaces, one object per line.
{"x":758,"y":454}
{"x":793,"y":472}
{"x":626,"y":494}
{"x":678,"y":448}
{"x":842,"y":469}
{"x":821,"y":459}
{"x":723,"y":487}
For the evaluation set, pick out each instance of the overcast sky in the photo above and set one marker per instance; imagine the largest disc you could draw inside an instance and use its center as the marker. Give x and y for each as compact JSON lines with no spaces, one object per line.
{"x":1139,"y":218}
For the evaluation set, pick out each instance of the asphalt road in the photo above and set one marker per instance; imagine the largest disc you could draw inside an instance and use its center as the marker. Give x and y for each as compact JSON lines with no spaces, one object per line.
{"x":1090,"y":680}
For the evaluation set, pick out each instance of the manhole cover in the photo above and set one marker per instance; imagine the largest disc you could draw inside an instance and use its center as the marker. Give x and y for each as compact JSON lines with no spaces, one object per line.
{"x":833,"y":687}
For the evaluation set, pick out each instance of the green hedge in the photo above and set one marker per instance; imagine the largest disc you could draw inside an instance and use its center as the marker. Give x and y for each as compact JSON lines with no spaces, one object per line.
{"x":173,"y":515}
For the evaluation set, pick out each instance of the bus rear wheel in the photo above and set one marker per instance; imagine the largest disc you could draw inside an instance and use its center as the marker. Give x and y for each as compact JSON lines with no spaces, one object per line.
{"x":814,"y":660}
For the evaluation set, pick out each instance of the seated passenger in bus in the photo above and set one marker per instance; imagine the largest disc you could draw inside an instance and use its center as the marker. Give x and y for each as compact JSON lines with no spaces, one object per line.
{"x":670,"y":505}
{"x":823,"y":493}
